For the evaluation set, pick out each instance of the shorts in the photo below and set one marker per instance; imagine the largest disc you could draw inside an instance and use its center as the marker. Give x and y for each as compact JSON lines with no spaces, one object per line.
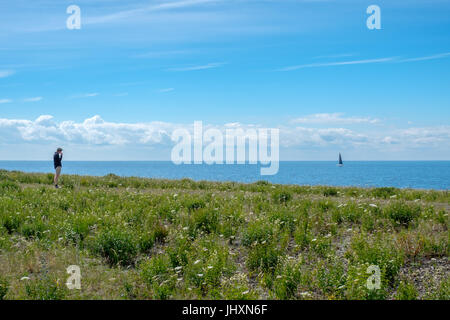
{"x":58,"y":170}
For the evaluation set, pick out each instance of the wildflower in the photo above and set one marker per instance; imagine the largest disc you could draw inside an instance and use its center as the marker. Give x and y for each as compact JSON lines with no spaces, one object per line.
{"x":305,"y":294}
{"x":196,"y":261}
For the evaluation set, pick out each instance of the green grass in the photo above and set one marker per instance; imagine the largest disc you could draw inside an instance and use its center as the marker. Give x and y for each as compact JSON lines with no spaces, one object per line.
{"x":136,"y":238}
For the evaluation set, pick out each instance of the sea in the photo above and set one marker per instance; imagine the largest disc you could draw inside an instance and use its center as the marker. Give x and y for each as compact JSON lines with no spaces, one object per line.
{"x":400,"y":174}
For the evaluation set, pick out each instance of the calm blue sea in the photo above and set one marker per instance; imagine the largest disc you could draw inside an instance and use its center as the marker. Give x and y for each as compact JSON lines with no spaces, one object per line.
{"x":401,"y":174}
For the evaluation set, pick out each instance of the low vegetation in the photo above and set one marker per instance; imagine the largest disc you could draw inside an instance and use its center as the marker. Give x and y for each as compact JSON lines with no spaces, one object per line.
{"x":136,"y":238}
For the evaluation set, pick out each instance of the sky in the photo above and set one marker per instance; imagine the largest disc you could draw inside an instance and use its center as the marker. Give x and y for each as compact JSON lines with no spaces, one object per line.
{"x":137,"y":70}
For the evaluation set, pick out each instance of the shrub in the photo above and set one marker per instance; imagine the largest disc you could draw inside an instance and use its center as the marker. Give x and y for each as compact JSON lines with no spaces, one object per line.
{"x":384,"y":192}
{"x":356,"y":288}
{"x":330,"y":192}
{"x":9,"y":185}
{"x":78,"y":230}
{"x":194,"y":204}
{"x":117,"y":246}
{"x":159,"y":276}
{"x":11,"y":222}
{"x":45,"y":289}
{"x":178,"y":252}
{"x":33,"y":230}
{"x":402,"y":213}
{"x":377,"y":252}
{"x":4,"y":286}
{"x":264,"y":258}
{"x":281,"y":196}
{"x":330,"y":277}
{"x":287,"y":280}
{"x":258,"y":232}
{"x":406,"y":291}
{"x":203,"y":221}
{"x":160,"y":233}
{"x":442,"y":292}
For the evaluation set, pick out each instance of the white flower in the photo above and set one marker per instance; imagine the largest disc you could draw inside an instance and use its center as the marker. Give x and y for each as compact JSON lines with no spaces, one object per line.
{"x":196,"y":261}
{"x":305,"y":294}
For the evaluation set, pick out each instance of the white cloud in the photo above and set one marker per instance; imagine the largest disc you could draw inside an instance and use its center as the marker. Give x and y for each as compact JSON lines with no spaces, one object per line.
{"x":98,"y":133}
{"x":333,"y":118}
{"x":365,"y":61}
{"x":437,"y":136}
{"x":432,"y":57}
{"x":92,"y":131}
{"x":6,"y":73}
{"x":85,"y":95}
{"x":339,"y":63}
{"x":125,"y":14}
{"x":200,"y":67}
{"x":300,"y":136}
{"x":34,"y":99}
{"x":166,"y":90}
{"x":5,"y":101}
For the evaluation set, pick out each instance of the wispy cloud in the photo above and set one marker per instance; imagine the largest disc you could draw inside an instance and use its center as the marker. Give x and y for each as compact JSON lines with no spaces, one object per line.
{"x":200,"y":67}
{"x":333,"y":118}
{"x":34,"y":99}
{"x":5,"y":101}
{"x":340,"y":63}
{"x":364,"y":61}
{"x":166,"y":90}
{"x":85,"y":95}
{"x":431,"y":57}
{"x":339,"y":55}
{"x":145,"y":9}
{"x":6,"y":73}
{"x":161,"y":54}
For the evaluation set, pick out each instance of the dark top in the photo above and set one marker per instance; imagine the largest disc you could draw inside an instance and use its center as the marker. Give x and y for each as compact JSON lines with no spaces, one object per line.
{"x":57,"y":160}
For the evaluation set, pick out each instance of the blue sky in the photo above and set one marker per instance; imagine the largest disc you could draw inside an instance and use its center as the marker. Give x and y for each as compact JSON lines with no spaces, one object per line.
{"x":138,"y":69}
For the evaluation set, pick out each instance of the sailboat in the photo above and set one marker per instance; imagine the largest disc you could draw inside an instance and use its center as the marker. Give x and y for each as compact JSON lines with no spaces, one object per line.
{"x":340,"y":164}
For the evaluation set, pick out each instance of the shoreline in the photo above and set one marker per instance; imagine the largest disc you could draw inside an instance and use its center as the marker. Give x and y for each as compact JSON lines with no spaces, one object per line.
{"x":224,"y":181}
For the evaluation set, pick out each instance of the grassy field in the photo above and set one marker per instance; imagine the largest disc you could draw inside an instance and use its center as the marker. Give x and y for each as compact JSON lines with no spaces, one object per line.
{"x":139,"y":238}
